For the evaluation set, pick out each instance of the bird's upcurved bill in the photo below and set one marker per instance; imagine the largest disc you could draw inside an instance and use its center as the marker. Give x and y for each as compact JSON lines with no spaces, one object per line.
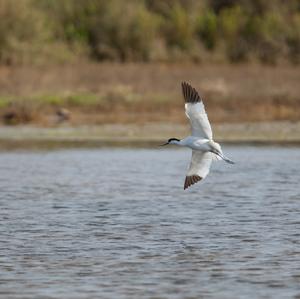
{"x":164,"y":144}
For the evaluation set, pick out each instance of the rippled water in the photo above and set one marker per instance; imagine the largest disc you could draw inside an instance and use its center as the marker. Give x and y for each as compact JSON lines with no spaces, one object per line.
{"x":116,"y":223}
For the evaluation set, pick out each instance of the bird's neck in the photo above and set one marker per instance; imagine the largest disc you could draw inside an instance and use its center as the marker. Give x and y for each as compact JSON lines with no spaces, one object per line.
{"x":175,"y":142}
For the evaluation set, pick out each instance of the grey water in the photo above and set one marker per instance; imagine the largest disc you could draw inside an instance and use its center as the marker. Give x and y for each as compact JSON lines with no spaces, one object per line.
{"x":116,"y":223}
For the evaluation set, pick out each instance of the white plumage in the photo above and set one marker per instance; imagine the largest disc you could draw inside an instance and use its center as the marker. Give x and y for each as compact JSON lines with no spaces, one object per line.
{"x":199,"y":121}
{"x":204,"y":149}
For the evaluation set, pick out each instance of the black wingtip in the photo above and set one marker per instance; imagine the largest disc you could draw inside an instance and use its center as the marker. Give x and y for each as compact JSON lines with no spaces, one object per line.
{"x":191,"y":180}
{"x":190,"y":94}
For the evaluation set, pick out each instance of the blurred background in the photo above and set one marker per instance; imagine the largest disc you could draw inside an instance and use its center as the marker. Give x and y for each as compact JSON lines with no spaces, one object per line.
{"x":68,"y":64}
{"x":91,"y":206}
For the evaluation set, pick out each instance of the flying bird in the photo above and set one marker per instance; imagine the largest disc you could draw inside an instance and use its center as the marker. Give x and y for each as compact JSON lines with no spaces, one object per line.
{"x":204,"y":149}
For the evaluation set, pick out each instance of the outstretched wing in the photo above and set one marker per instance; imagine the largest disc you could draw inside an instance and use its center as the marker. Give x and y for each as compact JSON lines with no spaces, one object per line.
{"x":195,"y":111}
{"x":199,"y":167}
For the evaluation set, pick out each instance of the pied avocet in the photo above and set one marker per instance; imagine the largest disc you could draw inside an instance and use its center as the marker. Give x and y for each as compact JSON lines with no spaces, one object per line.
{"x":204,"y":149}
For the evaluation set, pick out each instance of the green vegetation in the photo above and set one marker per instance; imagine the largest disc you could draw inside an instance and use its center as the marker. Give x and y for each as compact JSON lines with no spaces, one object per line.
{"x":46,"y":31}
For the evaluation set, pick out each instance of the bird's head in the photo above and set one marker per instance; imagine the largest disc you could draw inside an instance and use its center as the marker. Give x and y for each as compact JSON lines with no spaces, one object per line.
{"x":171,"y":141}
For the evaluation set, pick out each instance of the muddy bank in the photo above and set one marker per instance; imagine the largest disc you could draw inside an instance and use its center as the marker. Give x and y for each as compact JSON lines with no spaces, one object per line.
{"x":142,"y":135}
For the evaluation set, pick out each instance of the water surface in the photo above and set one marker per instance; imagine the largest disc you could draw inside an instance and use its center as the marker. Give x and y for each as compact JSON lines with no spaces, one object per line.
{"x":116,"y":223}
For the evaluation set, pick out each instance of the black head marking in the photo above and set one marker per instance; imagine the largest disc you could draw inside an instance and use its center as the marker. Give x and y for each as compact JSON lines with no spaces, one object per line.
{"x":175,"y":139}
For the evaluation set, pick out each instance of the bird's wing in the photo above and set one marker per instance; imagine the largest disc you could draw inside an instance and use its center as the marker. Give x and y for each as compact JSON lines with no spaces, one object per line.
{"x":195,"y":111}
{"x":199,"y":167}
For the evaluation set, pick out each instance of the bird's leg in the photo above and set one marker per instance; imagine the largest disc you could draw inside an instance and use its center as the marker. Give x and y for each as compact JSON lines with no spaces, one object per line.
{"x":228,"y":160}
{"x":222,"y":156}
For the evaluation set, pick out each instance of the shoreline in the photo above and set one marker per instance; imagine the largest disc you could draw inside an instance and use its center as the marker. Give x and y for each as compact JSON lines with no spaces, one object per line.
{"x":143,"y":135}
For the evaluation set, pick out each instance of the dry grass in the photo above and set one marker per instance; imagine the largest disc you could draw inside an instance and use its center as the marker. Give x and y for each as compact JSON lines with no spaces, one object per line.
{"x":140,"y":93}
